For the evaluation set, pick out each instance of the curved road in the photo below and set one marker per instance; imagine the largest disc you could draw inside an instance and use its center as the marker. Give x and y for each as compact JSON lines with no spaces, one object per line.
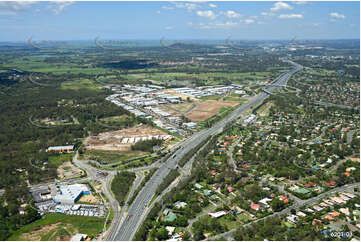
{"x":138,"y":209}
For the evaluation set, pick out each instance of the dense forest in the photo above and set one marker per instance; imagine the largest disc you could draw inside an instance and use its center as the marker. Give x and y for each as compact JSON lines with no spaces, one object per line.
{"x":147,"y":145}
{"x":121,"y":184}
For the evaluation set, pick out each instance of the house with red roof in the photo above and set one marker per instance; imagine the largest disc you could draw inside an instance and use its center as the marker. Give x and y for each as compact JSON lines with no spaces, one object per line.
{"x":255,"y":206}
{"x":310,"y":184}
{"x":347,"y":174}
{"x":213,"y":173}
{"x":245,"y":165}
{"x":283,"y":198}
{"x":331,"y":183}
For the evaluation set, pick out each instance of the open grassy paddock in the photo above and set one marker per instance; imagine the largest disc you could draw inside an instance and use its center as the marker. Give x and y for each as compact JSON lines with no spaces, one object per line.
{"x":53,"y":226}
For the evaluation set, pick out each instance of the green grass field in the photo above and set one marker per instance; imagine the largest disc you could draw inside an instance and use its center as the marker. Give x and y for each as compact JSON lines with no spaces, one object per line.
{"x":59,"y":225}
{"x":82,"y":83}
{"x":36,"y":65}
{"x":58,"y":160}
{"x":209,"y":76}
{"x":108,"y":157}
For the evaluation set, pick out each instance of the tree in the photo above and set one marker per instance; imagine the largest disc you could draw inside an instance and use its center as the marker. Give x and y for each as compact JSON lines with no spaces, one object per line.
{"x":182,"y":221}
{"x":162,"y":234}
{"x":198,"y":235}
{"x":186,"y":236}
{"x":277,"y":204}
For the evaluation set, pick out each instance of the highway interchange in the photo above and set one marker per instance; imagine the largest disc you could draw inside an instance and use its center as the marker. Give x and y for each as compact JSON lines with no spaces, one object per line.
{"x":124,"y":229}
{"x":138,"y":209}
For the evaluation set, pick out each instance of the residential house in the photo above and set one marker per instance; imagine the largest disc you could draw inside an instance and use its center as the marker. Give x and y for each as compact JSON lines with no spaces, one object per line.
{"x":301,"y":214}
{"x":349,"y":195}
{"x":179,"y":204}
{"x":283,"y":198}
{"x":217,"y":214}
{"x":208,"y":192}
{"x":255,"y":207}
{"x":264,"y":202}
{"x":337,"y":200}
{"x":331,"y":183}
{"x":198,"y":186}
{"x":170,"y":230}
{"x":345,"y":211}
{"x":171,"y":217}
{"x":166,"y":212}
{"x":310,"y":184}
{"x":292,"y":218}
{"x":317,"y":208}
{"x":230,"y":189}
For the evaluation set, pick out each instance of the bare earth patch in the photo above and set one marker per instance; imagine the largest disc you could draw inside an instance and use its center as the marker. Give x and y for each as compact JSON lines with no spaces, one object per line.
{"x":67,"y":170}
{"x":112,"y":140}
{"x":36,"y":234}
{"x":207,"y":109}
{"x":182,"y":96}
{"x":89,"y":199}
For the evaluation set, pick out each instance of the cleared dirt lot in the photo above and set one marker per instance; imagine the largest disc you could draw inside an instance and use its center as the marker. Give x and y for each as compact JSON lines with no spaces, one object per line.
{"x":182,"y":96}
{"x":48,"y":231}
{"x":112,"y":140}
{"x":207,"y":109}
{"x":67,"y":171}
{"x":89,"y":199}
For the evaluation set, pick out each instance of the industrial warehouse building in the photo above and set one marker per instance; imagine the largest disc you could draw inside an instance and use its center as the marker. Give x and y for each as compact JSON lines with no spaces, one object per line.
{"x":67,"y":148}
{"x":70,"y":194}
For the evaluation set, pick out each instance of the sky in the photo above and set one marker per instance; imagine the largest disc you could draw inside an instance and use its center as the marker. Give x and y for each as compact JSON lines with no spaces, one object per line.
{"x":78,"y":20}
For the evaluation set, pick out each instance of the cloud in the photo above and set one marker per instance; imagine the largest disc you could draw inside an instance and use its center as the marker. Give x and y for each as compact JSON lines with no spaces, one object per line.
{"x":167,"y":8}
{"x":158,"y":12}
{"x":267,"y":14}
{"x":215,"y":25}
{"x":58,"y":6}
{"x":189,"y":6}
{"x":316,"y":24}
{"x":300,"y":2}
{"x":7,"y":13}
{"x":169,"y":27}
{"x":337,"y":15}
{"x":11,"y":8}
{"x":212,"y":5}
{"x":207,"y":14}
{"x":15,"y":6}
{"x":290,"y":16}
{"x":281,"y":6}
{"x":232,"y":14}
{"x":249,"y":21}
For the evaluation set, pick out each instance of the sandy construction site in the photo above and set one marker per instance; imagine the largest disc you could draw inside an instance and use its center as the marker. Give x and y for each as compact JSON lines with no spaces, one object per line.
{"x":122,"y":140}
{"x":207,"y":109}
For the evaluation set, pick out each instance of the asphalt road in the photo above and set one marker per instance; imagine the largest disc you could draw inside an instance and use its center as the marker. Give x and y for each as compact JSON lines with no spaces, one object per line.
{"x":138,"y":209}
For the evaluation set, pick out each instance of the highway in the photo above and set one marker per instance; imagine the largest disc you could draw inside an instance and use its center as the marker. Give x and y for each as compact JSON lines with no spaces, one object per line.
{"x":138,"y":209}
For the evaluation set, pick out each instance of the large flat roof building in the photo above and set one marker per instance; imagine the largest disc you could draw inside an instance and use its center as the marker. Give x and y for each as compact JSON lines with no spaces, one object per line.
{"x":70,"y":194}
{"x":65,"y":148}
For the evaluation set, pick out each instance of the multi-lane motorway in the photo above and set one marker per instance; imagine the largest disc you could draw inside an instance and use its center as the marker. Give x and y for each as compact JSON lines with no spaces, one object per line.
{"x":138,"y":209}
